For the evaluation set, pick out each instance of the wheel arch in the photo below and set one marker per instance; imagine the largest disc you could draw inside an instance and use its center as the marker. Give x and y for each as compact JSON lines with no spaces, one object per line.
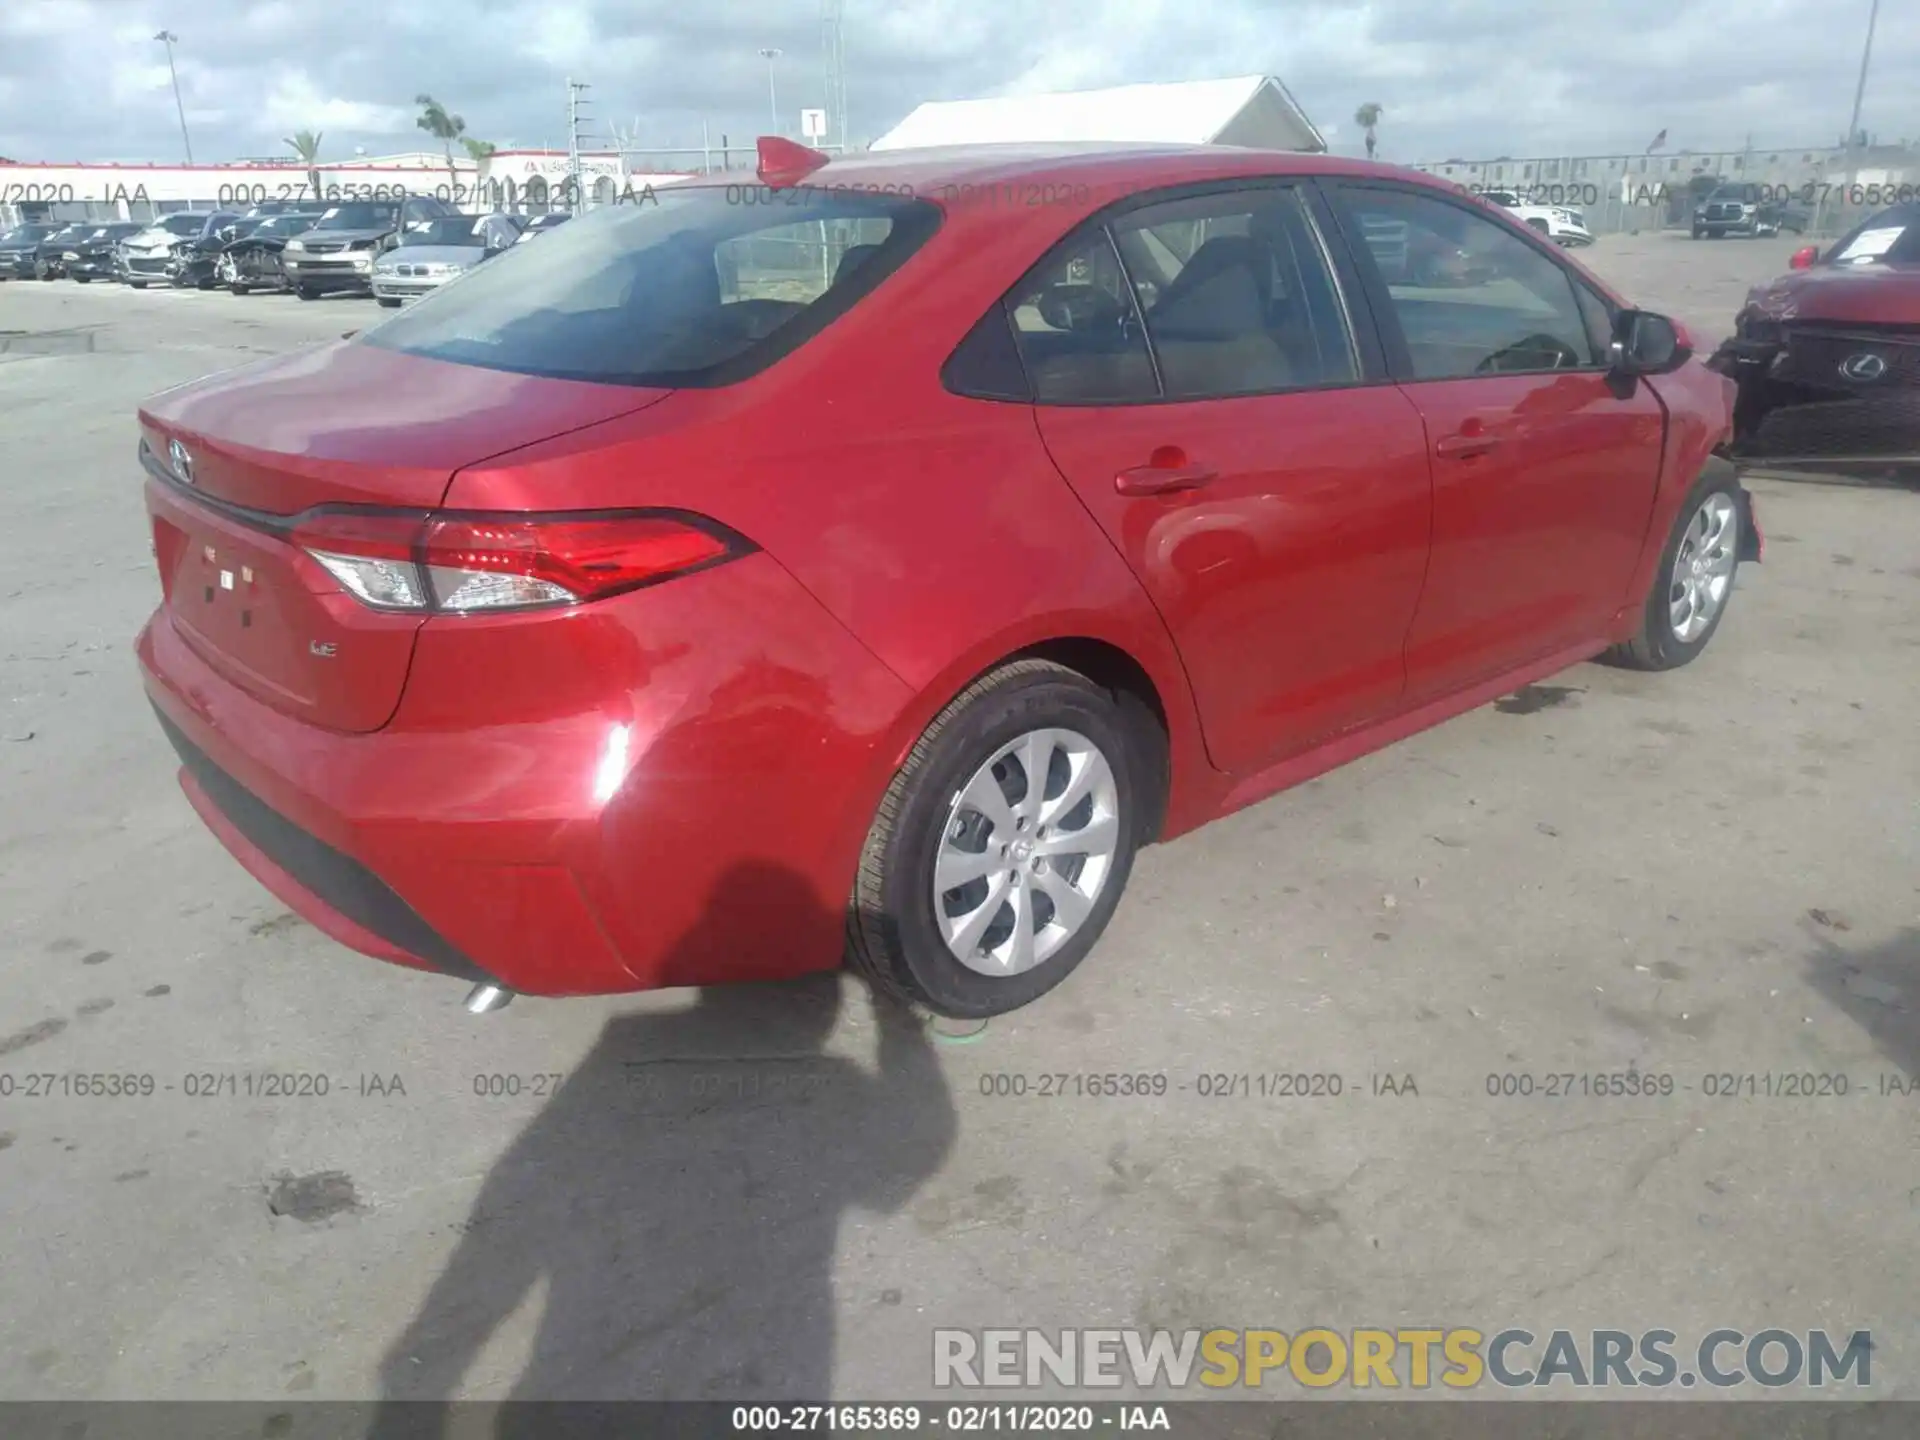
{"x":1153,"y":693}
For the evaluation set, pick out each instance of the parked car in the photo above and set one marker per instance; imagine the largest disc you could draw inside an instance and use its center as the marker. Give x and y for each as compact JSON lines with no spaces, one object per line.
{"x":18,"y":247}
{"x":432,"y":252}
{"x":1563,"y":224}
{"x":147,"y":257}
{"x":338,"y":253}
{"x":196,"y":262}
{"x":93,"y":258}
{"x":538,"y":225}
{"x":50,"y":256}
{"x":601,"y":624}
{"x":1827,"y":357}
{"x":1730,"y":210}
{"x":251,"y":261}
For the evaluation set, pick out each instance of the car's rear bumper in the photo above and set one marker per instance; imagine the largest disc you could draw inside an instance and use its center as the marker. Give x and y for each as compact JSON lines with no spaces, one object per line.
{"x":567,"y":804}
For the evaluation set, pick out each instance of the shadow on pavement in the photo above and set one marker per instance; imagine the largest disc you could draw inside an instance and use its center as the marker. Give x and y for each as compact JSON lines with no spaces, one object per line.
{"x":1880,"y":989}
{"x":678,"y":1204}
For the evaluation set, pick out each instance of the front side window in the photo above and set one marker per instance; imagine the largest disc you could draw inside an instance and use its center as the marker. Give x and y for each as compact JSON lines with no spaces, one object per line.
{"x":699,"y":286}
{"x":1471,"y":297}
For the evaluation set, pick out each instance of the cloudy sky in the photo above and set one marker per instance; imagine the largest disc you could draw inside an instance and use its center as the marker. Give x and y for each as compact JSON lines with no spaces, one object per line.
{"x":85,"y":80}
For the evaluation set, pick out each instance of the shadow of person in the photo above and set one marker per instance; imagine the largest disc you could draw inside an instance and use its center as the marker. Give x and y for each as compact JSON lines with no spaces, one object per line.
{"x":679,"y":1203}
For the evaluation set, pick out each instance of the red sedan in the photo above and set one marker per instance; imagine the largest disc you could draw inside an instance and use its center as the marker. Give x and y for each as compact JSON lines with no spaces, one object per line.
{"x":927,"y":532}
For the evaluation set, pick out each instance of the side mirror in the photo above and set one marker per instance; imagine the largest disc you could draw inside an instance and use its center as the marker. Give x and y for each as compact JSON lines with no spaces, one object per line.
{"x":1647,"y":344}
{"x":1804,"y":257}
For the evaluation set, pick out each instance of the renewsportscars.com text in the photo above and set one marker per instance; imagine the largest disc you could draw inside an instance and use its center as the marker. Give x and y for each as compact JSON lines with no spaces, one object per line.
{"x":1365,"y":1359}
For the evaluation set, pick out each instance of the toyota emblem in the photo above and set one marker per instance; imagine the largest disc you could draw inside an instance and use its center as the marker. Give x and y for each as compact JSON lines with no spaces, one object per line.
{"x":1863,"y":368}
{"x":182,"y":461}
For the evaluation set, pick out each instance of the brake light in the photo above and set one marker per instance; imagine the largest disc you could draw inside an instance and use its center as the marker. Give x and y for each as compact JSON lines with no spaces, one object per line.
{"x":463,"y":562}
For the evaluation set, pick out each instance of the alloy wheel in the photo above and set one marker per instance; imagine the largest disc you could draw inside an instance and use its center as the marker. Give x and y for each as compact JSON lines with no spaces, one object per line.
{"x":1703,"y":568}
{"x":1028,"y":843}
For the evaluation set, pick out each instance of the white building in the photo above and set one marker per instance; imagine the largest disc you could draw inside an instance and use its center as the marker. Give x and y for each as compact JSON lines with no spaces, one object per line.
{"x":1250,"y":110}
{"x":519,"y":180}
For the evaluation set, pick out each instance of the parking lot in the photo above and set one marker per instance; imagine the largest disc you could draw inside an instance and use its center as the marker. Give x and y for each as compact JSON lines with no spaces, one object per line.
{"x":781,"y":1192}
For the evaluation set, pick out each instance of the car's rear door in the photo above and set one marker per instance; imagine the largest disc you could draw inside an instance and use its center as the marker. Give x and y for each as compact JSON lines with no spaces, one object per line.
{"x":1202,"y":386}
{"x":1544,"y":464}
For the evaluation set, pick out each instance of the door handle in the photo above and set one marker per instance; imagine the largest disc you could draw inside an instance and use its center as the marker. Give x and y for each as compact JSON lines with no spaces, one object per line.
{"x":1460,"y":447}
{"x":1162,"y":479}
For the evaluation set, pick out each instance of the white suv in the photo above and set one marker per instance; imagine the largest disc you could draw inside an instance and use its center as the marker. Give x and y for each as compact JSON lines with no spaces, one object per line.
{"x":1561,"y":224}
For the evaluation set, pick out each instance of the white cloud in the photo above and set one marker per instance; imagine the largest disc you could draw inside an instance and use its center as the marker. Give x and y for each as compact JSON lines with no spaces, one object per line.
{"x":1456,"y":77}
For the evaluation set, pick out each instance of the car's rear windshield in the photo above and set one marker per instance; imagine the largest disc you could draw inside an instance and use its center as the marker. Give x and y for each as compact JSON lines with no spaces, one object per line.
{"x":696,"y":285}
{"x":446,"y":230}
{"x":357,"y":217}
{"x":1892,"y":238}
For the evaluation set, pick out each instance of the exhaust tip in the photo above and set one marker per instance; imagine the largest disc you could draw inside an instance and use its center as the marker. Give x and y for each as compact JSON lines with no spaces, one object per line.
{"x":485,"y":999}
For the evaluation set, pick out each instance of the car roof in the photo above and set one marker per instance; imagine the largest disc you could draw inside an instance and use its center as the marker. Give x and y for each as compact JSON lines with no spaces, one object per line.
{"x":1130,"y":166}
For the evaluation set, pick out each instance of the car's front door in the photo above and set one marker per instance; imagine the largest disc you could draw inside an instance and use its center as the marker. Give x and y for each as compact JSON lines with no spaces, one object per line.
{"x":1201,"y":387}
{"x":1544,"y":464}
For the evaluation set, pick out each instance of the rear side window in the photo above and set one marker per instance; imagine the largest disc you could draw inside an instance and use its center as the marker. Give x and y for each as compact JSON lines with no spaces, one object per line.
{"x":1203,"y":297}
{"x":701,"y":285}
{"x":1237,"y":295}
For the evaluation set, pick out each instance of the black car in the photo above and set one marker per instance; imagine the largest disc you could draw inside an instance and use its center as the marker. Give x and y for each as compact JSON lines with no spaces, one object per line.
{"x":193,"y":259}
{"x":50,"y":256}
{"x":17,"y":249}
{"x":196,"y":261}
{"x":251,"y":261}
{"x":93,"y":258}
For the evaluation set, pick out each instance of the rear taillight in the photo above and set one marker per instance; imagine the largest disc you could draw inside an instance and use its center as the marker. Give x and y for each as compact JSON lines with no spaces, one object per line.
{"x":463,"y":562}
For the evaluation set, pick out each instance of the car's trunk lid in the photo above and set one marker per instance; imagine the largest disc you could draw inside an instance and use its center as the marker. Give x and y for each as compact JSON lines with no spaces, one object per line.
{"x":341,"y":424}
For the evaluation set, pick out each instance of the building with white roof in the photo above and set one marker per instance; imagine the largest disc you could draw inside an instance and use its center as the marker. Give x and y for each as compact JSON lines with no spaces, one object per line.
{"x":1251,"y":110}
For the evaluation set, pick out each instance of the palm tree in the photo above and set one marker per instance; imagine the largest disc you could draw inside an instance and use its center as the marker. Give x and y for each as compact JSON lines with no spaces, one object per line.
{"x":445,"y":128}
{"x":306,"y":144}
{"x":481,"y":152}
{"x":1367,"y":117}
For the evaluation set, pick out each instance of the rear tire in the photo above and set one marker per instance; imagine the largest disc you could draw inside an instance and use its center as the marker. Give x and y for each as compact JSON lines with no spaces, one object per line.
{"x":1670,"y":633}
{"x":137,"y":284}
{"x":239,"y":289}
{"x":83,"y":279}
{"x":389,"y":301}
{"x":305,"y":293}
{"x":906,"y":938}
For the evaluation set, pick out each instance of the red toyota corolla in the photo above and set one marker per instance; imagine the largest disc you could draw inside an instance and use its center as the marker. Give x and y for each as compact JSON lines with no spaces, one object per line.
{"x":929,"y":530}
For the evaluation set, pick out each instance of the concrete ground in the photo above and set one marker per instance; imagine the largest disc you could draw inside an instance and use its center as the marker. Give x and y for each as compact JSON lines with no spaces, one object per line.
{"x":769,"y":1193}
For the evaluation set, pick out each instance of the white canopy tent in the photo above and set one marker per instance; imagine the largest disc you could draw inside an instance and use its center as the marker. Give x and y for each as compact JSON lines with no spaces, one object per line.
{"x":1250,"y":110}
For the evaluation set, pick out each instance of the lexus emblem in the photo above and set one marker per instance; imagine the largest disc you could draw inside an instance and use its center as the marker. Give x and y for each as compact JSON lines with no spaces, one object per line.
{"x":1863,"y":368}
{"x":182,"y":461}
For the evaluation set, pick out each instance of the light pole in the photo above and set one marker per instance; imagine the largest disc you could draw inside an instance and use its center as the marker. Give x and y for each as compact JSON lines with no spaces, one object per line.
{"x":168,"y":38}
{"x":770,"y":54}
{"x":1860,"y":90}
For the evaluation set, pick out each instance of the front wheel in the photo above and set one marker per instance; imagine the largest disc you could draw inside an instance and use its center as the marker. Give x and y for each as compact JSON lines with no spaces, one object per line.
{"x":84,"y":279}
{"x":306,"y":292}
{"x":1002,"y":846}
{"x":239,"y":288}
{"x":137,"y":284}
{"x":391,"y":302}
{"x":1688,"y":598}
